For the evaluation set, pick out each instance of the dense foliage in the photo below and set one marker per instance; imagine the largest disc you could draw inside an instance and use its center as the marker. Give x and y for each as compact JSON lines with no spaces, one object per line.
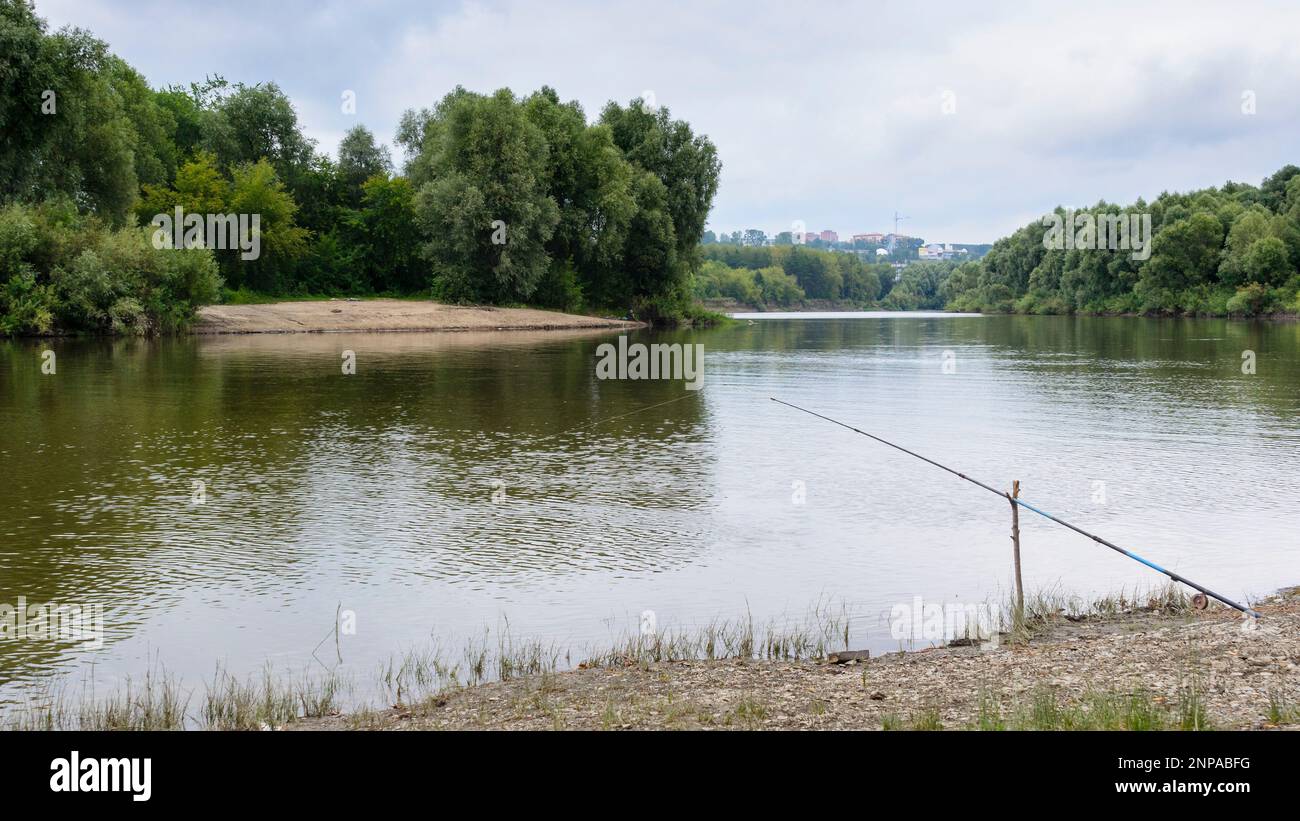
{"x":1233,"y":250}
{"x":783,"y":276}
{"x":501,"y":199}
{"x":62,"y":269}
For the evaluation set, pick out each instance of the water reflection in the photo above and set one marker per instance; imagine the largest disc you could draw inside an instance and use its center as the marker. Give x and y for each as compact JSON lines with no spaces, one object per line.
{"x":459,"y":478}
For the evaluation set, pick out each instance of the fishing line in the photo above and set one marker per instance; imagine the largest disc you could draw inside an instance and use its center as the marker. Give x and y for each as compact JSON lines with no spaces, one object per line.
{"x":602,"y":420}
{"x":1028,"y":506}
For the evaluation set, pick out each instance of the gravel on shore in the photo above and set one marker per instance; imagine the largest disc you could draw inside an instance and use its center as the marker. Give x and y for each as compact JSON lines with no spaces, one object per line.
{"x":1243,"y":674}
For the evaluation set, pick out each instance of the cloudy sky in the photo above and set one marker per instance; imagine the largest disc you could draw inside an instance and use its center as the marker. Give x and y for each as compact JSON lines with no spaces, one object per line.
{"x":970,"y":119}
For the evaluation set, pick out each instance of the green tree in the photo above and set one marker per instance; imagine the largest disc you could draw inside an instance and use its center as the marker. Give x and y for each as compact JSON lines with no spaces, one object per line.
{"x":861,"y":284}
{"x":685,"y":163}
{"x":777,"y":287}
{"x":1247,"y":229}
{"x":26,"y":72}
{"x":817,"y":276}
{"x":258,"y":122}
{"x":185,"y":117}
{"x":200,"y":188}
{"x":652,"y":280}
{"x":386,"y":236}
{"x":591,"y":183}
{"x":256,"y":189}
{"x":484,"y":212}
{"x":88,"y":146}
{"x":153,"y":152}
{"x":1184,"y":254}
{"x":1266,"y":262}
{"x":322,"y":195}
{"x":361,"y":158}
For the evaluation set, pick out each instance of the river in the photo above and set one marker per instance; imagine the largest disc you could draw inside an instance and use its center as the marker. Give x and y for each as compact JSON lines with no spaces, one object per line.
{"x":222,"y":498}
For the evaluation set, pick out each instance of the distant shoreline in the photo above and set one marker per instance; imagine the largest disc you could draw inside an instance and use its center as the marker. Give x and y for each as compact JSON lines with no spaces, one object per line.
{"x":733,"y":309}
{"x":865,"y":314}
{"x":386,"y":316}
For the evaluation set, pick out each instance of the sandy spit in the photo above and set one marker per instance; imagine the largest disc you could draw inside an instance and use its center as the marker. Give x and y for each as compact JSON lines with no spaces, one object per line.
{"x":377,"y":315}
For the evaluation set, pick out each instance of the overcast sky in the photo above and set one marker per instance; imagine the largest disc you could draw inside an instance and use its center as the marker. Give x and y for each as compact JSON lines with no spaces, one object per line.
{"x":971,"y":119}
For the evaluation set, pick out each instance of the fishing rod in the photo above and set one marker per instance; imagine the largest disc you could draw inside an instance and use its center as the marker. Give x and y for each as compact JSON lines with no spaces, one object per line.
{"x":1016,"y":501}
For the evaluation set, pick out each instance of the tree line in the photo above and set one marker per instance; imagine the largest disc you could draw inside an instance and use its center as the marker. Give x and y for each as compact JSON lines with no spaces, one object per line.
{"x":1227,"y":251}
{"x":783,"y":276}
{"x":500,"y":198}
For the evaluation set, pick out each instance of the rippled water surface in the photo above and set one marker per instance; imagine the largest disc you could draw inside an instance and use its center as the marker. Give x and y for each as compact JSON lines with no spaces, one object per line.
{"x":458,"y":481}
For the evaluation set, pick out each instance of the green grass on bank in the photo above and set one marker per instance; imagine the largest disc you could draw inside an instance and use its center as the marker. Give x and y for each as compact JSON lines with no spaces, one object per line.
{"x":244,"y":296}
{"x":421,"y":677}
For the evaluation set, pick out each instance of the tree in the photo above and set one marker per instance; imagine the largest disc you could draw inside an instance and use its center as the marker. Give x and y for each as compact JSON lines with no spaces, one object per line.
{"x":591,"y":183}
{"x":153,"y":152}
{"x":507,"y":199}
{"x":385,"y":235}
{"x":1184,"y":253}
{"x":1234,"y":249}
{"x":360,"y":158}
{"x":199,"y":189}
{"x":186,"y":113}
{"x":1248,"y":228}
{"x":818,"y":279}
{"x":920,"y":286}
{"x":1273,"y":190}
{"x":686,"y":164}
{"x":26,"y":73}
{"x":86,"y":145}
{"x":258,"y":122}
{"x":485,"y":214}
{"x":777,"y":287}
{"x":257,"y":190}
{"x":1266,"y":262}
{"x":861,"y":284}
{"x":646,"y":274}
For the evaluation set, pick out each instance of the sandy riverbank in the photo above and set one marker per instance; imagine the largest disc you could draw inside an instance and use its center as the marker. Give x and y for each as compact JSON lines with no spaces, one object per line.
{"x":377,"y":315}
{"x":1141,"y":669}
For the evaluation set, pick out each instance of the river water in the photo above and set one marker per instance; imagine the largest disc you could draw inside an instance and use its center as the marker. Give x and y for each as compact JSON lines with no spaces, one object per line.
{"x":223,"y":498}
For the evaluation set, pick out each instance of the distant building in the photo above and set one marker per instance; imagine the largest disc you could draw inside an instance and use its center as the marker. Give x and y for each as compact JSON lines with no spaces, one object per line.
{"x":881,"y":252}
{"x":937,"y":250}
{"x":829,"y":236}
{"x":872,"y":238}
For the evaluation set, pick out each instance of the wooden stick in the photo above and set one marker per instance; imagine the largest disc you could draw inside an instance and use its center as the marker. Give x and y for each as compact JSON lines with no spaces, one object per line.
{"x":1015,"y":542}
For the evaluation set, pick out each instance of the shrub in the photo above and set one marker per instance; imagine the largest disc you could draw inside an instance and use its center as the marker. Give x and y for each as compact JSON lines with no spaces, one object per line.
{"x":559,"y":288}
{"x":778,"y":287}
{"x":60,"y":272}
{"x":1252,"y":300}
{"x":25,"y":306}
